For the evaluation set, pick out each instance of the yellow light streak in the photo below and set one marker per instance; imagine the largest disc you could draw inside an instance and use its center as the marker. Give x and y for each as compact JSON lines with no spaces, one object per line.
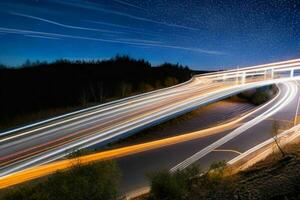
{"x":43,"y":170}
{"x":39,"y":171}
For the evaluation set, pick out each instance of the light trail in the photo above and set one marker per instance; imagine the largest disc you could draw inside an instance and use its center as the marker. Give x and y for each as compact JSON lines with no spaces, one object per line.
{"x":289,"y":95}
{"x":131,"y":122}
{"x":89,"y":129}
{"x":277,"y":64}
{"x":56,"y":137}
{"x":47,"y":169}
{"x":297,"y":109}
{"x":39,"y":171}
{"x":227,"y":150}
{"x":114,"y":109}
{"x":93,"y":140}
{"x":288,"y":135}
{"x":119,"y":103}
{"x":263,"y":66}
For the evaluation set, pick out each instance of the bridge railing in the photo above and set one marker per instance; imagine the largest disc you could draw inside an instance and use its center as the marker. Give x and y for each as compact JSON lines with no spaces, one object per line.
{"x":287,"y":69}
{"x":276,"y":65}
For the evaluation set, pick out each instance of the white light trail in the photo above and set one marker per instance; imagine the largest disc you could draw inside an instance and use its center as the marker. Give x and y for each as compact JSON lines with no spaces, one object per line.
{"x":289,"y":95}
{"x":126,"y":115}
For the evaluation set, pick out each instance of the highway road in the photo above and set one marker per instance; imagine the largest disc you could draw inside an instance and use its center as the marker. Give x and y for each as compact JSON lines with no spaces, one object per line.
{"x":44,"y":142}
{"x":99,"y":125}
{"x":215,"y":114}
{"x":53,"y":140}
{"x":135,"y":167}
{"x":138,"y":160}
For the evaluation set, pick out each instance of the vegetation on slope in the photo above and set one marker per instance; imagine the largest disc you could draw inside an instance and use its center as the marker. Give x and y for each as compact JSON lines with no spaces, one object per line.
{"x":259,"y":95}
{"x":39,"y":90}
{"x":96,"y":181}
{"x":276,"y":177}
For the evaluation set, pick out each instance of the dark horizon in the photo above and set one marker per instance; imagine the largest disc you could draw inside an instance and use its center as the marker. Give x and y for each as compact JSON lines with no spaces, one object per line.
{"x":29,"y":62}
{"x":37,"y":62}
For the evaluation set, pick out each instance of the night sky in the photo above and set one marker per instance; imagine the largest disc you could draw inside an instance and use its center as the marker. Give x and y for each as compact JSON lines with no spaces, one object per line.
{"x":203,"y":34}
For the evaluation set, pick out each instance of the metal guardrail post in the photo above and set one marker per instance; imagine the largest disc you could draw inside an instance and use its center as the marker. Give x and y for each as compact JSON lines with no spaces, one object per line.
{"x":244,"y":78}
{"x":272,"y":73}
{"x":292,"y":73}
{"x":265,"y":75}
{"x":224,"y":77}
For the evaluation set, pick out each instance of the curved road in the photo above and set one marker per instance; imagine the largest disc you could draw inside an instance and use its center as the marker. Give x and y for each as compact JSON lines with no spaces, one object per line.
{"x":52,"y":139}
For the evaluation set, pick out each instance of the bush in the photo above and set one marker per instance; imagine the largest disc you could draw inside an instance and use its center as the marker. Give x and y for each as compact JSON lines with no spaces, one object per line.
{"x":96,"y":181}
{"x":260,"y":95}
{"x":189,"y":184}
{"x":171,"y":186}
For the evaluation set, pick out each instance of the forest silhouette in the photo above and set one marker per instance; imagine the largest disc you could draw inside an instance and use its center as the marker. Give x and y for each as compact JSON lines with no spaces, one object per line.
{"x":41,"y":86}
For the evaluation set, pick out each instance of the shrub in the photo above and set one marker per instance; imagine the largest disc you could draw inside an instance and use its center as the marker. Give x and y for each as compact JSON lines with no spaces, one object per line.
{"x":171,"y":186}
{"x":96,"y":181}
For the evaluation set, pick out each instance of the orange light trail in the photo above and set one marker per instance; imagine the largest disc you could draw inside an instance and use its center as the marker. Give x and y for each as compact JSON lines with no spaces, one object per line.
{"x":43,"y":170}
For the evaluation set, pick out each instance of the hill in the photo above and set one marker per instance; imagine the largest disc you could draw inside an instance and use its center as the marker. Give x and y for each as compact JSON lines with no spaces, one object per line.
{"x":39,"y":90}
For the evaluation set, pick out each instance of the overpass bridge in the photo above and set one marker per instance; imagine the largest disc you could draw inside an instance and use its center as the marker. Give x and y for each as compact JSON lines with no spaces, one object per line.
{"x":49,"y":140}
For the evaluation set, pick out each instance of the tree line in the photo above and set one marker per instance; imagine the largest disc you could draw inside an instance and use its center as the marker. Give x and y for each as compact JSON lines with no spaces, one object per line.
{"x":41,"y":86}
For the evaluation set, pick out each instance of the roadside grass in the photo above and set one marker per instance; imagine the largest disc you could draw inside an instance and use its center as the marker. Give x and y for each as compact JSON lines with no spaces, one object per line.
{"x":94,"y":181}
{"x":273,"y":178}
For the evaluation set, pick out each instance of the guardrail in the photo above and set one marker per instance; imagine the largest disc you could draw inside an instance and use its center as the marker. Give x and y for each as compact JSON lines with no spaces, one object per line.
{"x":264,"y":149}
{"x":264,"y":67}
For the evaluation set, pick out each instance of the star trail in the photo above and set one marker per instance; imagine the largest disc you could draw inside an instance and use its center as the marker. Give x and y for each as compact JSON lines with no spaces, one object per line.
{"x":208,"y":34}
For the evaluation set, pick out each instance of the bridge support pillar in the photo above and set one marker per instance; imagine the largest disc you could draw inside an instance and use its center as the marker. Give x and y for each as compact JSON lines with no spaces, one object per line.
{"x":265,"y":75}
{"x":243,"y":78}
{"x":237,"y":79}
{"x":292,"y":73}
{"x":272,"y":73}
{"x":224,"y":78}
